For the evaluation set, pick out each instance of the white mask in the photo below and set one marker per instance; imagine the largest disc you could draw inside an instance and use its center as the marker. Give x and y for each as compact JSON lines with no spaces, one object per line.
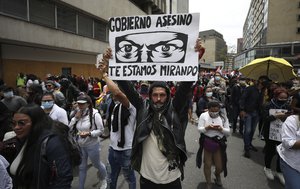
{"x":209,"y":94}
{"x":8,"y":94}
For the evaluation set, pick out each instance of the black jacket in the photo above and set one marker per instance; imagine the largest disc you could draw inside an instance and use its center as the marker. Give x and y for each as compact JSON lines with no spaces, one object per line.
{"x":173,"y":120}
{"x":53,"y":170}
{"x":251,"y":99}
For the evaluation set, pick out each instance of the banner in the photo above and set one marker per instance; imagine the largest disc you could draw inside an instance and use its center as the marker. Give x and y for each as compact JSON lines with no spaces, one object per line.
{"x":154,"y":47}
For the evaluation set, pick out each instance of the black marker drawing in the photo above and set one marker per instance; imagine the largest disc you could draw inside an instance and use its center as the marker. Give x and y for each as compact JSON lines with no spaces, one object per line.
{"x":158,"y":47}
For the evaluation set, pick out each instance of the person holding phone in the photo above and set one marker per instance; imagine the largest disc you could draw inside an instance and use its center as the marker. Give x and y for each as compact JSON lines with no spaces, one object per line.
{"x":214,"y":128}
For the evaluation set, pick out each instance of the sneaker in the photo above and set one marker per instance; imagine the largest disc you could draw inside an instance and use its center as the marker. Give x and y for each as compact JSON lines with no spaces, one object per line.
{"x":269,"y":173}
{"x":280,"y":178}
{"x":247,"y":154}
{"x":103,"y":184}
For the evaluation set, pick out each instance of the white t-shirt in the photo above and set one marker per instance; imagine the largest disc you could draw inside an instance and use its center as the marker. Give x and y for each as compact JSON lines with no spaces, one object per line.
{"x":129,"y":132}
{"x":155,"y":165}
{"x":205,"y":120}
{"x":290,"y":135}
{"x":59,"y":114}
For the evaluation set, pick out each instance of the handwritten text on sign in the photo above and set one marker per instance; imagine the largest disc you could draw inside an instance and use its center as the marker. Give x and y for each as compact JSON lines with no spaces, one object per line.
{"x":156,"y":47}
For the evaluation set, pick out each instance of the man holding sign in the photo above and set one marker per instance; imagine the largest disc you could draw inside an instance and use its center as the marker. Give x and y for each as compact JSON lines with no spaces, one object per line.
{"x":158,"y":149}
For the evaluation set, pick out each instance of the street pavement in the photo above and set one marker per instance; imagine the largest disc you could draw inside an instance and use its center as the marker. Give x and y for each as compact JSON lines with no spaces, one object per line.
{"x":243,"y":173}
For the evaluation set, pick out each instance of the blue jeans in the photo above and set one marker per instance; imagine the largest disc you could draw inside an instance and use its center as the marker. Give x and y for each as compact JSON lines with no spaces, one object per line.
{"x":93,"y":152}
{"x":120,"y":160}
{"x":291,"y":176}
{"x":250,"y":123}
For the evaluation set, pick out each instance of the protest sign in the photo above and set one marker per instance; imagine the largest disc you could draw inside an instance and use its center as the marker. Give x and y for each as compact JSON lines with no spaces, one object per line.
{"x":154,"y":47}
{"x":276,"y":125}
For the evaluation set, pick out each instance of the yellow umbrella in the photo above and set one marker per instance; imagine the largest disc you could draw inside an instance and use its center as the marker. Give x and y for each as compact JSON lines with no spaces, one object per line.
{"x":277,"y":69}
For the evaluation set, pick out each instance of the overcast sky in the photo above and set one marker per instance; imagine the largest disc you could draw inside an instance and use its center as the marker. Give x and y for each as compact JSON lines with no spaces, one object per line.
{"x":225,"y":16}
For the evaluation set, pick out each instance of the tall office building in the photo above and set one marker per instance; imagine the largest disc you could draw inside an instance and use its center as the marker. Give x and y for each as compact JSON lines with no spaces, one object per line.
{"x":61,"y":36}
{"x":272,"y":28}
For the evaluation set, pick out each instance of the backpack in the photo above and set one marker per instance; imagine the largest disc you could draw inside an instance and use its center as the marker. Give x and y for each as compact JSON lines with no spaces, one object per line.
{"x":72,"y":146}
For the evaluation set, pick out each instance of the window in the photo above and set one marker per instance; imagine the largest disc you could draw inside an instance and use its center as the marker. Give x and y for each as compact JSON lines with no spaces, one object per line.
{"x":66,"y":71}
{"x":66,"y":19}
{"x":298,"y":17}
{"x":85,"y":26}
{"x":298,"y":30}
{"x":100,"y":31}
{"x":16,"y":8}
{"x":42,"y":12}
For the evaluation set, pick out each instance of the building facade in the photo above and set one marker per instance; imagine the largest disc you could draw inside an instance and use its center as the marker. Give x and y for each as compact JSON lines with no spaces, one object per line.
{"x":272,"y":28}
{"x":62,"y":36}
{"x":216,"y":48}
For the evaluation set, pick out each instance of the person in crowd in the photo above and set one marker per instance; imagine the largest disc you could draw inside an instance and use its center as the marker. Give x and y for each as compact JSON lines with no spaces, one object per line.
{"x":218,"y":85}
{"x":70,"y":91}
{"x":289,"y":151}
{"x":236,"y":93}
{"x":59,"y":97}
{"x":5,"y":179}
{"x":250,"y":104}
{"x":274,"y":114}
{"x":54,"y":111}
{"x":87,"y":126}
{"x":158,"y":149}
{"x":203,"y":101}
{"x":122,"y":123}
{"x":38,"y":165}
{"x":11,"y":101}
{"x":35,"y":93}
{"x":214,"y":126}
{"x":21,"y":80}
{"x":5,"y":120}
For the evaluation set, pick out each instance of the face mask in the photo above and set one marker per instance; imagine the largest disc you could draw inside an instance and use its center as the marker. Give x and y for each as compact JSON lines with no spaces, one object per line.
{"x":48,"y":104}
{"x":217,"y":78}
{"x":213,"y":114}
{"x":209,"y":94}
{"x":9,"y":94}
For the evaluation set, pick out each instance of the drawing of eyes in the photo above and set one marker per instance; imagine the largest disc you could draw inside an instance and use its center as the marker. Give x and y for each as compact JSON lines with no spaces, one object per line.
{"x":167,"y":51}
{"x":127,"y":51}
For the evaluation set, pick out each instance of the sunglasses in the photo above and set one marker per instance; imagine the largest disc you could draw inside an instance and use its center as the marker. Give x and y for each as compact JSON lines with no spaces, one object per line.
{"x":20,"y":123}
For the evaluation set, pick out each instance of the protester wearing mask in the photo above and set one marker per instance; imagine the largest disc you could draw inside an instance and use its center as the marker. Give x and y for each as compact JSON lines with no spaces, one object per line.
{"x":274,"y":114}
{"x":203,"y":101}
{"x":59,"y":97}
{"x":218,"y":85}
{"x":11,"y":101}
{"x":87,"y":125}
{"x":236,"y":93}
{"x":214,"y":127}
{"x":54,"y":111}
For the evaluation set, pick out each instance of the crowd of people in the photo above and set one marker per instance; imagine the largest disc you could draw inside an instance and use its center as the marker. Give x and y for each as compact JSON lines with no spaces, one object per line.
{"x":146,"y":123}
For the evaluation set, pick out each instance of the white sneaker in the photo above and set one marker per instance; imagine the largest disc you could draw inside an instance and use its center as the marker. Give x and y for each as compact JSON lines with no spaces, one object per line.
{"x":103,"y":184}
{"x":280,"y":178}
{"x":269,"y":173}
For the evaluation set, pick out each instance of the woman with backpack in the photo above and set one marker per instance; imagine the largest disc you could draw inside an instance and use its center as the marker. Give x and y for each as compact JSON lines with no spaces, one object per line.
{"x":88,"y":126}
{"x":42,"y":160}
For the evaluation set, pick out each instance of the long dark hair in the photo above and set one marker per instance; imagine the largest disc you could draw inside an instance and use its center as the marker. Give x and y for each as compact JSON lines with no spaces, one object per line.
{"x":213,"y":104}
{"x":40,"y":122}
